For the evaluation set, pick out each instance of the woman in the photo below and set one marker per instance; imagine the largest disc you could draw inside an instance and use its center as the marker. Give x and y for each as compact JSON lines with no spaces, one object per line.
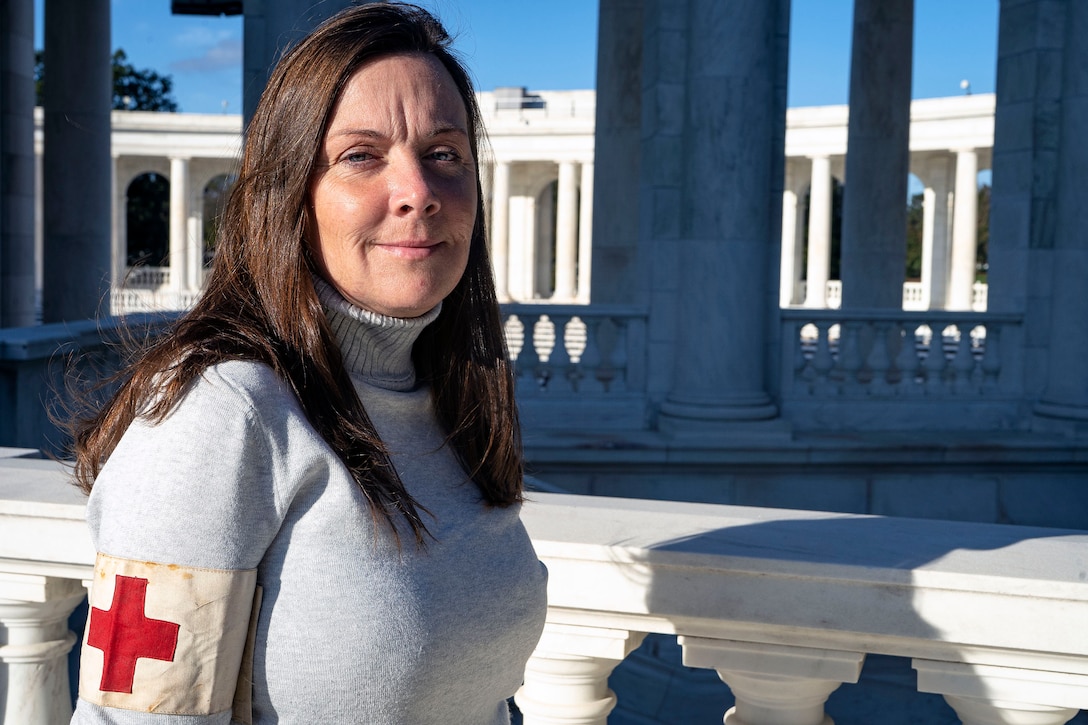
{"x":305,"y":498}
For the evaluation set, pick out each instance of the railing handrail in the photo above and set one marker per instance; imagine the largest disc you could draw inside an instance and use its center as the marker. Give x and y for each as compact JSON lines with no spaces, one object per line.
{"x":731,"y":558}
{"x":982,"y":608}
{"x":573,"y":308}
{"x":803,"y":314}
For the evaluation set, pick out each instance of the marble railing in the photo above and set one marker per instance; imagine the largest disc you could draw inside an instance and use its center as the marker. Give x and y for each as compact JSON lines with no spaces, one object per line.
{"x":601,"y":348}
{"x":595,"y":354}
{"x":914,"y":295}
{"x":902,"y":354}
{"x":783,"y":605}
{"x":126,"y":301}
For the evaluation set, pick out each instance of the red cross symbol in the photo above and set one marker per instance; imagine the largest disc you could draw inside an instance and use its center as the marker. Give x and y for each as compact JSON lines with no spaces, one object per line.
{"x":124,"y":634}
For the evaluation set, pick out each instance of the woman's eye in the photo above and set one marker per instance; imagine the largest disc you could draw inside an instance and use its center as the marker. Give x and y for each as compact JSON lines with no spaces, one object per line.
{"x":358,"y":157}
{"x":444,"y":155}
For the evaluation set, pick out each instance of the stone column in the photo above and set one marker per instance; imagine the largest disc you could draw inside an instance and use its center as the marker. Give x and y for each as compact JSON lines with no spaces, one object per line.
{"x":118,"y":252}
{"x":34,"y":646}
{"x":566,"y":231}
{"x":874,"y":224}
{"x":486,"y":190}
{"x":179,"y":226}
{"x":500,"y":229}
{"x":76,"y":163}
{"x":935,"y":224}
{"x":818,"y":271}
{"x":712,"y":158}
{"x":17,"y":294}
{"x":790,"y":269}
{"x":964,"y":231}
{"x":617,"y":274}
{"x":194,"y":250}
{"x":269,"y":28}
{"x":585,"y":233}
{"x":1066,"y":393}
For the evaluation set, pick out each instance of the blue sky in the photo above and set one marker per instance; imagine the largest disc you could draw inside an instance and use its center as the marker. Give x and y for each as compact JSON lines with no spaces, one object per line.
{"x":552,"y":46}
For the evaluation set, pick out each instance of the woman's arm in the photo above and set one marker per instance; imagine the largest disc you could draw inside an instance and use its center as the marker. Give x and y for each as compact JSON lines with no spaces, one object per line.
{"x":181,"y":515}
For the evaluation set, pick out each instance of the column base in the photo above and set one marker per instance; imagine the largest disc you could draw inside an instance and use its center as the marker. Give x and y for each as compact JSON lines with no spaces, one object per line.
{"x":752,"y":415}
{"x":1064,"y":411}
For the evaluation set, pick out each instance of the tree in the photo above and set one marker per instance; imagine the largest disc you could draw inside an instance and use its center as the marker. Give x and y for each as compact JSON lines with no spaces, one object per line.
{"x":134,"y":89}
{"x":982,"y":257}
{"x":915,"y":215}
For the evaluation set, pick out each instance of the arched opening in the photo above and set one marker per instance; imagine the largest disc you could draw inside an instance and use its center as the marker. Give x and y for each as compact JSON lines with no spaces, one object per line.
{"x":547,"y":211}
{"x":147,"y":221}
{"x":215,"y":197}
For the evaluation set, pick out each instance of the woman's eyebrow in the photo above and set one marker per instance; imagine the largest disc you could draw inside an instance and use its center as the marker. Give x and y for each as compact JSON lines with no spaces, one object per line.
{"x":377,"y":135}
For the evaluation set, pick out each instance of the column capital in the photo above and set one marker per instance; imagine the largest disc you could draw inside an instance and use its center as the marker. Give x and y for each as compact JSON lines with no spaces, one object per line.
{"x":984,"y":694}
{"x":774,"y":683}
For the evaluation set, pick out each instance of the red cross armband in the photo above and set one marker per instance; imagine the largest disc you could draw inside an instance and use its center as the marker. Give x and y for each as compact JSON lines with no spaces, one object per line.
{"x":165,"y":638}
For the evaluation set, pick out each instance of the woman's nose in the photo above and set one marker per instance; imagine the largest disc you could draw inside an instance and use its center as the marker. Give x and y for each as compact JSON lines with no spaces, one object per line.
{"x":411,"y":189}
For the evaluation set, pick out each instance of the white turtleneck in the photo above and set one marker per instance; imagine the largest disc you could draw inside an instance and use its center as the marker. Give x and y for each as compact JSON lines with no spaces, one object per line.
{"x":352,"y":627}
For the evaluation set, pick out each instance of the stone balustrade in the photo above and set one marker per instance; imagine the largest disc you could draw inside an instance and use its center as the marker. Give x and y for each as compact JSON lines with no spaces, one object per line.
{"x":920,"y":360}
{"x":596,"y":353}
{"x":783,"y":605}
{"x":914,"y":295}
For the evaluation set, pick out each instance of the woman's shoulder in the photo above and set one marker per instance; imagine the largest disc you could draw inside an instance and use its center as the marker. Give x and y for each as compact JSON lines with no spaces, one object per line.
{"x":244,"y":384}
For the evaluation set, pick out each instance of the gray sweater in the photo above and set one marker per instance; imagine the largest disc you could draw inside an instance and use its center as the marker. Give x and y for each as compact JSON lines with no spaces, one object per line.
{"x":351,"y":628}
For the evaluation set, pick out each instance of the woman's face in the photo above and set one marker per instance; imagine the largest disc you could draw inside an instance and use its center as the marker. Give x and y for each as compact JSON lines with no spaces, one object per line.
{"x":393,"y":197}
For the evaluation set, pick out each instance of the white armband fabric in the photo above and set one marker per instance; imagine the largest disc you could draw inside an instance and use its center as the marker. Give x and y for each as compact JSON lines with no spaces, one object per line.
{"x":165,"y":638}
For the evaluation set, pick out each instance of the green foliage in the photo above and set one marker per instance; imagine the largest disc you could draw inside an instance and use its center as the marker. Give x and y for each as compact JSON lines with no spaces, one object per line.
{"x":982,"y":257}
{"x":134,"y":89}
{"x":915,"y":215}
{"x":147,"y":220}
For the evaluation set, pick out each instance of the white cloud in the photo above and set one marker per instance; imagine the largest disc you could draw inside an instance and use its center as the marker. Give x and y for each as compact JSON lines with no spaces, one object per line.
{"x":225,"y":54}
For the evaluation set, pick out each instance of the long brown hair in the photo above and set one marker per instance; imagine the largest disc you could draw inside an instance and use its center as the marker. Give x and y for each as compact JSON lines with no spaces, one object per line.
{"x":260,"y":303}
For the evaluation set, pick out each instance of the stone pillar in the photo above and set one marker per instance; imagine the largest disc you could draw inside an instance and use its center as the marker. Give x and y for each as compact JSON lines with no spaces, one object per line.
{"x":194,"y":251}
{"x":964,"y":231}
{"x":819,"y":234}
{"x":17,"y":293}
{"x":34,"y":646}
{"x":119,"y":252}
{"x":76,"y":163}
{"x":566,"y":679}
{"x":585,"y":233}
{"x":712,"y":157}
{"x":522,"y":247}
{"x":792,"y":236}
{"x":179,"y":225}
{"x":487,"y":171}
{"x":566,"y":231}
{"x":269,"y":28}
{"x":500,"y":229}
{"x":617,"y":274}
{"x":935,"y":225}
{"x":874,"y":224}
{"x":1066,"y":393}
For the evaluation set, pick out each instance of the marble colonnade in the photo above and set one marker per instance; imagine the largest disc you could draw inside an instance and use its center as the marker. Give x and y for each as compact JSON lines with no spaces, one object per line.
{"x":526,"y":180}
{"x":951,"y":140}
